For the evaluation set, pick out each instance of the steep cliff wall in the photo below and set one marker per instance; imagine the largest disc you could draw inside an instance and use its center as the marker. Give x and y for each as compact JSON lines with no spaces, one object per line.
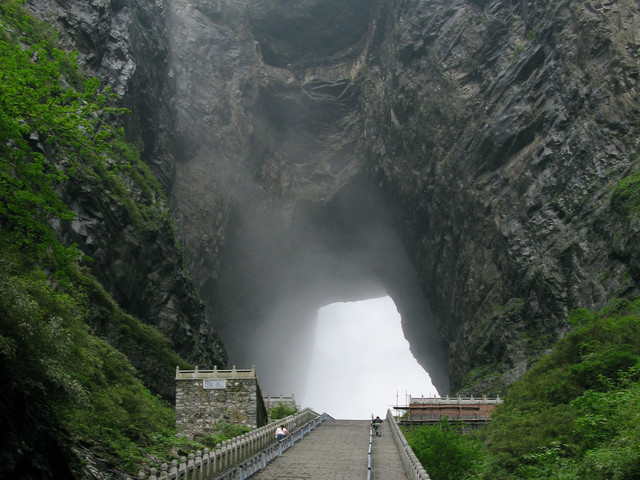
{"x":457,"y":155}
{"x":494,"y":130}
{"x":138,"y":262}
{"x":499,"y":130}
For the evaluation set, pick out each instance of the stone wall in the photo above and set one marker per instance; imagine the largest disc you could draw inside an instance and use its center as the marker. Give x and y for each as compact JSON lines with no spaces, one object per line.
{"x":206,"y":397}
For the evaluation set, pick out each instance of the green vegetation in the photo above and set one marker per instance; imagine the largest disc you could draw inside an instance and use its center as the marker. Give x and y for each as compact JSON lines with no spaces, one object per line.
{"x":445,"y":452}
{"x":504,"y":320}
{"x":86,"y":387}
{"x":224,"y":431}
{"x":625,"y":196}
{"x":573,"y":415}
{"x":480,"y":373}
{"x":283,"y":410}
{"x":59,"y":379}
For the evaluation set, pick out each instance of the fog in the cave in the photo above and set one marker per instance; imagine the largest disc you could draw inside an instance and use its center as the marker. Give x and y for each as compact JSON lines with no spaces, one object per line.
{"x":361,"y":364}
{"x":277,"y":273}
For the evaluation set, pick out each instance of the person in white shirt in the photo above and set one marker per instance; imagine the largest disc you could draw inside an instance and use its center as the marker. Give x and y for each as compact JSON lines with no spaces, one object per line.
{"x":281,"y":432}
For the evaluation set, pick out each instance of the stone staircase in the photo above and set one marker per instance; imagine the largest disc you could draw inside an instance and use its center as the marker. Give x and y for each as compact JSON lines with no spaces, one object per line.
{"x":338,"y":449}
{"x":321,"y":449}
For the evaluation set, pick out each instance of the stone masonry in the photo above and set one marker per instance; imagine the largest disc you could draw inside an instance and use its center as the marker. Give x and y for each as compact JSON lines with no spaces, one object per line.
{"x":206,"y":397}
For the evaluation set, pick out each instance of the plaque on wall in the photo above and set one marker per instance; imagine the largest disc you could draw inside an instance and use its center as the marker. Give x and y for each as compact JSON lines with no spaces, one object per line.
{"x":214,"y":384}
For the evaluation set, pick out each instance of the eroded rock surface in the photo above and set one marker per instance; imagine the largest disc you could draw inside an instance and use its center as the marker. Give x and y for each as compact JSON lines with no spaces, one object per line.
{"x":480,"y":139}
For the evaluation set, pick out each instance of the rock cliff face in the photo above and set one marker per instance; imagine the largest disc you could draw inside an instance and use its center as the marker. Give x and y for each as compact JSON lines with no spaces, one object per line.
{"x":508,"y":124}
{"x":459,"y":156}
{"x":140,"y":265}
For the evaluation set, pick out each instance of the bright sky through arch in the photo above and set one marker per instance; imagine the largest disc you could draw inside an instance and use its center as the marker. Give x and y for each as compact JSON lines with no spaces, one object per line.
{"x":361,"y":363}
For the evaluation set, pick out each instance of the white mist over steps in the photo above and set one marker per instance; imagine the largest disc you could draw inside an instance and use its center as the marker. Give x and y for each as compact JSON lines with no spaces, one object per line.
{"x":361,"y":364}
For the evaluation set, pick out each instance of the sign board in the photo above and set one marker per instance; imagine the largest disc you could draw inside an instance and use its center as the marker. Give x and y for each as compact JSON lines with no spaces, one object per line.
{"x":214,"y":384}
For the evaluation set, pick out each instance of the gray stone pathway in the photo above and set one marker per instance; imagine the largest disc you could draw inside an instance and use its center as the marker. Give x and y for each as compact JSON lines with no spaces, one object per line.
{"x":386,"y":460}
{"x":336,"y":450}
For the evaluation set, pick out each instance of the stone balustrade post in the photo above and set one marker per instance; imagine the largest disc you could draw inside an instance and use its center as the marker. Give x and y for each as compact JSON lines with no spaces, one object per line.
{"x":190,"y":467}
{"x":197,"y":466}
{"x":234,"y":452}
{"x":182,"y":469}
{"x":164,"y":472}
{"x":216,"y":458}
{"x":224,"y":454}
{"x":222,"y":460}
{"x":206,"y":459}
{"x":213,"y":459}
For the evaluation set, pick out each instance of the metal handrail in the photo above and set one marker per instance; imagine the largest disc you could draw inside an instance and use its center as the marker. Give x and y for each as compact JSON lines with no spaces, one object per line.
{"x":203,"y":466}
{"x":370,"y":455}
{"x":260,"y":460}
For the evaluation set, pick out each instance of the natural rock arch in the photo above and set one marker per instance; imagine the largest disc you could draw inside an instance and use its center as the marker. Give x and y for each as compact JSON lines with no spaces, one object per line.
{"x":277,"y":276}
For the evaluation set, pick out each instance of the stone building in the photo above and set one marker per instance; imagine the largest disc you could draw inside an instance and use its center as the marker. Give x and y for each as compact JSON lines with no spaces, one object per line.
{"x":206,"y":397}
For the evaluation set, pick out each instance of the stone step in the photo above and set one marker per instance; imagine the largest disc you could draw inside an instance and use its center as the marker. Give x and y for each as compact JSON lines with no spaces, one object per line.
{"x":336,"y":450}
{"x":386,"y":460}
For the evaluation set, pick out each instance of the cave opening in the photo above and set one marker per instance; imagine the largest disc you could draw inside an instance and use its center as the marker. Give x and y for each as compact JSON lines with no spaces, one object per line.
{"x":278,"y":274}
{"x":361,"y":364}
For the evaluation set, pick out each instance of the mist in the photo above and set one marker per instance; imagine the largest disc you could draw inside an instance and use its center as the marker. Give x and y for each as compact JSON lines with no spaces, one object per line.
{"x":278,"y":273}
{"x":278,"y":214}
{"x":361,"y":364}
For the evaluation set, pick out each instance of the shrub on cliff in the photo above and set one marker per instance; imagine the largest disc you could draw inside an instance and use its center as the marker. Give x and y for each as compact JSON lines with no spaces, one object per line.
{"x":64,"y":389}
{"x":574,"y":414}
{"x":283,"y":410}
{"x":445,"y":453}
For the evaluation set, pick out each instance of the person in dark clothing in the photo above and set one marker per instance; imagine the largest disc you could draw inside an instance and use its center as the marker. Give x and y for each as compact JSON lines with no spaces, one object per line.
{"x":376,"y":423}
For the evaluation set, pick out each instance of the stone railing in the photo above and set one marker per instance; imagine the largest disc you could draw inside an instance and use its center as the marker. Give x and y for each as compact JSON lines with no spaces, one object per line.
{"x":211,"y":464}
{"x":412,"y":466}
{"x":259,"y":461}
{"x":271,"y":401}
{"x":457,"y":400}
{"x":214,"y":374}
